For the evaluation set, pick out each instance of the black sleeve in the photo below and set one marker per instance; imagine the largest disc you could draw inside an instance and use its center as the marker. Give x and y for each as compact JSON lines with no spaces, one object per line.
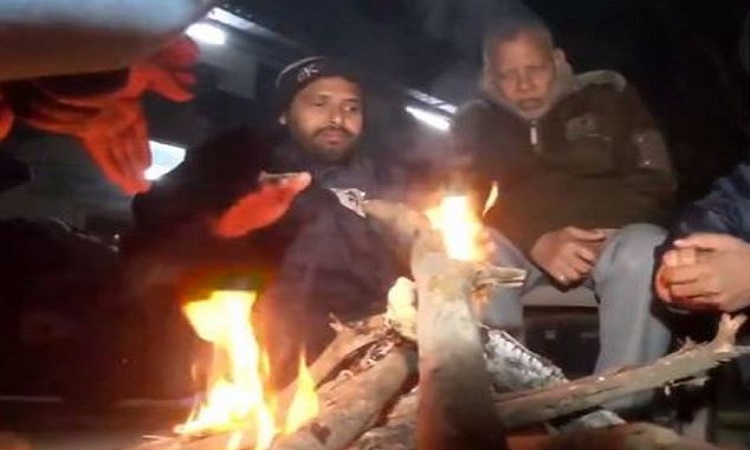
{"x":212,"y":177}
{"x":650,"y":171}
{"x":175,"y":212}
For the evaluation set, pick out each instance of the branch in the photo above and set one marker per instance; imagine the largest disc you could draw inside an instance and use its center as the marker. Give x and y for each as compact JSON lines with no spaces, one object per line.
{"x":520,"y":409}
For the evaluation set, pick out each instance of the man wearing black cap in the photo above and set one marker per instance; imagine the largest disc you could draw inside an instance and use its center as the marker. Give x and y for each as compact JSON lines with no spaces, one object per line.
{"x":221,"y":209}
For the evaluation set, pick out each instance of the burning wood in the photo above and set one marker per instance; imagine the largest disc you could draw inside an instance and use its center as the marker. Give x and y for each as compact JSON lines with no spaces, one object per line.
{"x":454,"y":408}
{"x":350,"y":339}
{"x":352,"y":408}
{"x":459,"y":362}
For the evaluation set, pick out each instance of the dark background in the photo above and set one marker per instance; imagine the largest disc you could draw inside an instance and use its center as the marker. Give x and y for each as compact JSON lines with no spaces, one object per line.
{"x":682,"y":56}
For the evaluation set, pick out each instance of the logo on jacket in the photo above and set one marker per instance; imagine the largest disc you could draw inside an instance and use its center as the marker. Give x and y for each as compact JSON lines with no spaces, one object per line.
{"x":352,"y":199}
{"x":585,"y":125}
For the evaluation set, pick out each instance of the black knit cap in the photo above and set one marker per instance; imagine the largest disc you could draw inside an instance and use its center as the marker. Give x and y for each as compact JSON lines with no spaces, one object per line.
{"x":300,"y":74}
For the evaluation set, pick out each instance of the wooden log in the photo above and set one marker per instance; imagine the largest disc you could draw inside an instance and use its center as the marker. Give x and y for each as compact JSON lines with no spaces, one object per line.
{"x":637,"y":436}
{"x":536,"y":406}
{"x":350,"y":339}
{"x":526,"y":409}
{"x":399,"y":431}
{"x":455,"y":408}
{"x":353,"y":408}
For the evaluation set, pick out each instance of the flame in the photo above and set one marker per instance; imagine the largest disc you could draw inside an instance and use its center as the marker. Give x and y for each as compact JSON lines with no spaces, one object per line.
{"x":460,"y":228}
{"x":237,"y":396}
{"x":304,"y":405}
{"x":491,"y":198}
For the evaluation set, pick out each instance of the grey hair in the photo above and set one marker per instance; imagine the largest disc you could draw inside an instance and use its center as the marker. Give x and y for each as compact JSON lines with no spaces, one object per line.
{"x":509,"y":28}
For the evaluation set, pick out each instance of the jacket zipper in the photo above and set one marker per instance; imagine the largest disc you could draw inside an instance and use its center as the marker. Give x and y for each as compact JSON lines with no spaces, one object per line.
{"x":534,"y":136}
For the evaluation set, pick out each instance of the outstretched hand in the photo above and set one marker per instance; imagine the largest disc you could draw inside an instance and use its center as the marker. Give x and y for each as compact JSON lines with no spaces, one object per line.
{"x":263,"y":206}
{"x":706,"y":271}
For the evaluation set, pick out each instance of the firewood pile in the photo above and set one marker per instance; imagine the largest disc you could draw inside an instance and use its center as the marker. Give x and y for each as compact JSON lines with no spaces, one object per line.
{"x":427,"y":375}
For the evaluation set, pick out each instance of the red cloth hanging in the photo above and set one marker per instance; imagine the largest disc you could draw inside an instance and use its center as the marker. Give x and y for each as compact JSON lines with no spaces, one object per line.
{"x":109,"y":121}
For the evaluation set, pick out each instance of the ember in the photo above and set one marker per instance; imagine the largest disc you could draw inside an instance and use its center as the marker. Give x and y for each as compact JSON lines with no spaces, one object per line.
{"x":237,"y":394}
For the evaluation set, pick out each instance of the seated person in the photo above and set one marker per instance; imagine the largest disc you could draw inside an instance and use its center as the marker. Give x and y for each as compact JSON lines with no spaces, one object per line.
{"x":584,"y":179}
{"x":322,"y":257}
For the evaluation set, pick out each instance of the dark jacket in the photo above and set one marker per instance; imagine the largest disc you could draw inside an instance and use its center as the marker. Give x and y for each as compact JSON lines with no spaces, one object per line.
{"x":322,"y":258}
{"x":594,"y":160}
{"x":726,"y":209}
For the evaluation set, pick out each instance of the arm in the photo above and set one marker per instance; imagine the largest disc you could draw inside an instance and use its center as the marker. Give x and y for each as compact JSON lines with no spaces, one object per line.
{"x":218,"y":193}
{"x":649,"y":166}
{"x":213,"y":177}
{"x":705,"y":268}
{"x":58,"y":37}
{"x":721,"y":211}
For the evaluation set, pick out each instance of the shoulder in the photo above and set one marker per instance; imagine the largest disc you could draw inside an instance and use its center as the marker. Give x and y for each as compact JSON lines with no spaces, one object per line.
{"x":606,"y":90}
{"x":475,"y":113}
{"x":600,"y":80}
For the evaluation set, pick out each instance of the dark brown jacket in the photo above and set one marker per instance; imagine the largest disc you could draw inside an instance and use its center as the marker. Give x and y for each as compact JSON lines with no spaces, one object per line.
{"x":594,"y":160}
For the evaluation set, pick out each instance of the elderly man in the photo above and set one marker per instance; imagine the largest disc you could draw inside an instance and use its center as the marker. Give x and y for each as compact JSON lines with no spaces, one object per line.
{"x":584,"y":177}
{"x":217,"y":210}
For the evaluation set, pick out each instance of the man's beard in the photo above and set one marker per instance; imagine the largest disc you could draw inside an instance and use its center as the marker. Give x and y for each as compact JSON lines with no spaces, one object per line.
{"x":333,"y":152}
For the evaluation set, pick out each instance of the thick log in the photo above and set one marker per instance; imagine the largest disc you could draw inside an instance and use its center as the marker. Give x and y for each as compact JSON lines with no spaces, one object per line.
{"x":350,"y":339}
{"x":353,"y":408}
{"x":693,"y":360}
{"x":455,"y":408}
{"x":399,"y":431}
{"x":638,"y":436}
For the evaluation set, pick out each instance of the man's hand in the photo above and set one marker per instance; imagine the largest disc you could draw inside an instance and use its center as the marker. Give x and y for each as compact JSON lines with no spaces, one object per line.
{"x":569,"y":254}
{"x":706,"y":271}
{"x":262,"y":207}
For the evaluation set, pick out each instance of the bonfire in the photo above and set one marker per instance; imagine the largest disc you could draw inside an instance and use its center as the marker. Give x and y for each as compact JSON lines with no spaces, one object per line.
{"x":426,"y":375}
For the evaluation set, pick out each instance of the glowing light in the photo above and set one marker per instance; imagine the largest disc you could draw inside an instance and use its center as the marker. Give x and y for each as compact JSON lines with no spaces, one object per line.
{"x":491,"y":198}
{"x":207,"y":33}
{"x":459,"y":227}
{"x":437,"y":121}
{"x":165,"y":158}
{"x":237,"y":395}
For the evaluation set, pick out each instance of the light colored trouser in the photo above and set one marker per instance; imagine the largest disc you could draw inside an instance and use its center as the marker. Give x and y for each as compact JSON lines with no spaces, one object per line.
{"x":630,"y":333}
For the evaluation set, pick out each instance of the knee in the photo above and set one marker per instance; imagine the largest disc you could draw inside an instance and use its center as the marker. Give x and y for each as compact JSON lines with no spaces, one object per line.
{"x":501,"y":250}
{"x":633,"y":249}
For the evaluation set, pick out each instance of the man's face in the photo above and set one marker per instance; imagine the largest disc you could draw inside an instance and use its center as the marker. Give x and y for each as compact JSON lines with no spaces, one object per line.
{"x":523,"y":72}
{"x":326,"y":117}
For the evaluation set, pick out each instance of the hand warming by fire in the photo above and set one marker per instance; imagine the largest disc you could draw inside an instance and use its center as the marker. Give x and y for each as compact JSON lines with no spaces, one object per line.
{"x":238,"y":395}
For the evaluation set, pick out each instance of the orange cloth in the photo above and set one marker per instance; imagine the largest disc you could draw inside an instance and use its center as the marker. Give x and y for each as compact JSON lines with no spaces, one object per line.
{"x":111,"y":124}
{"x":6,"y":118}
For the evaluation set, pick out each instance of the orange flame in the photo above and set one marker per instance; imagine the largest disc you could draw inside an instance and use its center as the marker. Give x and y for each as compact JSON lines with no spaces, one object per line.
{"x":304,"y":405}
{"x":491,"y":198}
{"x":460,"y":228}
{"x":237,"y":396}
